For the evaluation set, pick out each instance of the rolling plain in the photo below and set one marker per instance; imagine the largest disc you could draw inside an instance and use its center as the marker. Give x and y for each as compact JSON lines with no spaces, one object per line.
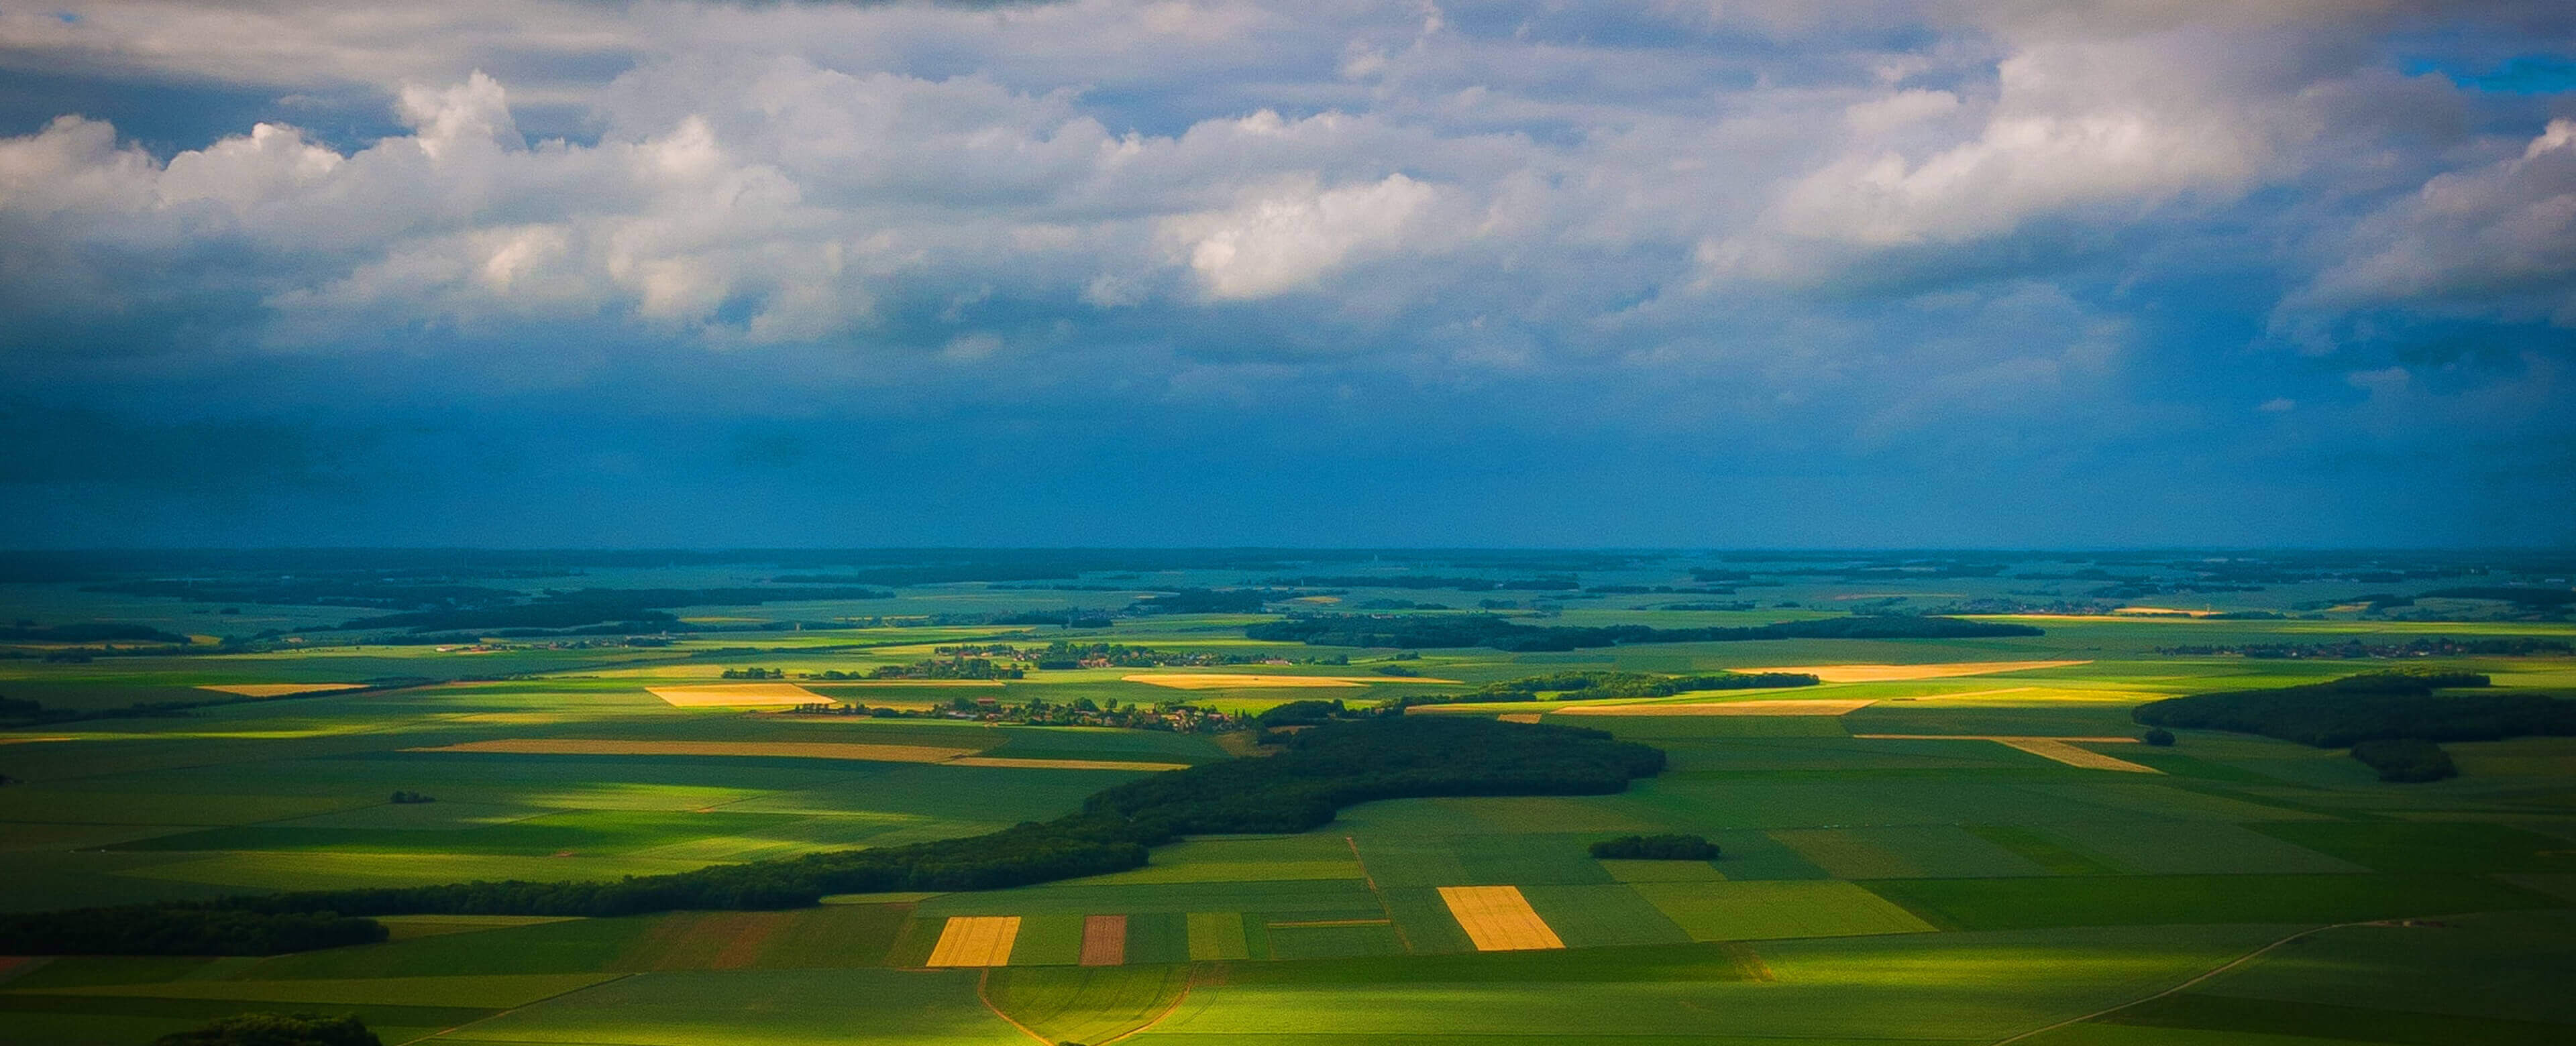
{"x":1947,"y":840}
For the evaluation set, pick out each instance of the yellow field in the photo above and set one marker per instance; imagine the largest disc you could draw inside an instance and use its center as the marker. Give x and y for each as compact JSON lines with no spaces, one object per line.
{"x":1519,"y":717}
{"x":976,"y":940}
{"x":1231,"y":681}
{"x":2054,"y":748}
{"x":799,"y":749}
{"x":281,"y":689}
{"x":1899,"y":673}
{"x":2050,"y":748}
{"x":737,"y":694}
{"x":1498,"y":918}
{"x":1806,"y":706}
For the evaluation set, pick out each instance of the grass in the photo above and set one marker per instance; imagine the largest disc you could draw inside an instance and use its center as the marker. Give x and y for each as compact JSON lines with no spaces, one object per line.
{"x":2512,"y":966}
{"x":2047,"y":851}
{"x":1906,"y":851}
{"x":1920,"y":987}
{"x":484,"y":991}
{"x":2431,"y":846}
{"x":2149,"y":847}
{"x":1662,"y":871}
{"x":576,"y":946}
{"x":2310,"y":1020}
{"x":1333,"y":942}
{"x":1753,"y":911}
{"x":1086,"y":1004}
{"x":1048,"y":940}
{"x":770,"y":1008}
{"x":1997,"y":904}
{"x":1602,"y":916}
{"x":1217,"y":935}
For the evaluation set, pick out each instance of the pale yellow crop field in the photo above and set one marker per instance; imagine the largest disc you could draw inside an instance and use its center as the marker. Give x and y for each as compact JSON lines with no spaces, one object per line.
{"x":1498,"y":918}
{"x":737,"y":694}
{"x":280,"y":689}
{"x":976,"y":940}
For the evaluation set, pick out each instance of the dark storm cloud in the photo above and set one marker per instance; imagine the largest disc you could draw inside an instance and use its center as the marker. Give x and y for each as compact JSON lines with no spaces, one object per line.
{"x":1984,"y":273}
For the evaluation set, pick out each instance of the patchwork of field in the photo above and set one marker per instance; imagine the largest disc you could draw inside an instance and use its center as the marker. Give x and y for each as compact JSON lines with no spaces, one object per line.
{"x":1892,"y":673}
{"x":736,"y":695}
{"x":1234,"y":681}
{"x":278,"y":689}
{"x":1944,"y":843}
{"x":1784,"y":706}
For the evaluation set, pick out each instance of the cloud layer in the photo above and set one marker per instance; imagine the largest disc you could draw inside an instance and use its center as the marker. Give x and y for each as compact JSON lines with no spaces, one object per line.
{"x":1986,"y":273}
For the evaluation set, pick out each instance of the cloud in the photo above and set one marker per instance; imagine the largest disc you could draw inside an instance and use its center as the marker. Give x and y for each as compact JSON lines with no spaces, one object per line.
{"x":1286,"y":238}
{"x":1681,"y":244}
{"x":2103,"y":131}
{"x":2495,"y":241}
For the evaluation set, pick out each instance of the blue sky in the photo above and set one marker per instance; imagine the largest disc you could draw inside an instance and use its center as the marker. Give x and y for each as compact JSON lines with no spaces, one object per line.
{"x":1831,"y":272}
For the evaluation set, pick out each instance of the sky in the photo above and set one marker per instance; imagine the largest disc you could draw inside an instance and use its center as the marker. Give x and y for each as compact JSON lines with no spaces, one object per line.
{"x":1773,"y":273}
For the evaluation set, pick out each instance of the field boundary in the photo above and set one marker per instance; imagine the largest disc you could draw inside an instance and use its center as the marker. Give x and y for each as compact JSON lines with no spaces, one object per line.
{"x":514,"y":1009}
{"x":982,"y":981}
{"x":1401,"y":937}
{"x":2223,"y":968}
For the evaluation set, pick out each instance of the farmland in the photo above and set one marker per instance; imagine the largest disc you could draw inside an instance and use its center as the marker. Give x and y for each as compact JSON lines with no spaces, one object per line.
{"x":1956,"y":839}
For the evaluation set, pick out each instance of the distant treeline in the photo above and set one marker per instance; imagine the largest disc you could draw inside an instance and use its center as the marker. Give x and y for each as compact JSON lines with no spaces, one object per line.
{"x":347,"y":590}
{"x":943,"y":574}
{"x":179,"y":929}
{"x":1319,"y":772}
{"x":1486,"y":630}
{"x":15,"y":712}
{"x":1211,"y":601}
{"x":2533,"y":597}
{"x":87,"y":632}
{"x":2371,"y":706}
{"x":2521,"y":646}
{"x":1586,"y":686}
{"x":1064,"y":618}
{"x":642,"y":608}
{"x":1417,"y":581}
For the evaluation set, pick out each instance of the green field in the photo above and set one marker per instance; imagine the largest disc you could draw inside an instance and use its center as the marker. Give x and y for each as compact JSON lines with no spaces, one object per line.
{"x":1869,"y":890}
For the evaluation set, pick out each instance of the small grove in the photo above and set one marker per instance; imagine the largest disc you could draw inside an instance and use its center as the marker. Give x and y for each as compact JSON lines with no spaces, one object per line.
{"x":2391,"y":719}
{"x":2371,"y":706}
{"x":1316,"y":774}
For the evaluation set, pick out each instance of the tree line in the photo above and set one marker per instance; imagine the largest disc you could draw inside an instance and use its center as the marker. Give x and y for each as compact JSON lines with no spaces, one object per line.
{"x":1318,"y":772}
{"x":1488,"y":630}
{"x":1586,"y":686}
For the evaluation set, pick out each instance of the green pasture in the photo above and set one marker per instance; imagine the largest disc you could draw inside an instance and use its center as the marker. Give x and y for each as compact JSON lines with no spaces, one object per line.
{"x":1086,"y":1005}
{"x":764,"y":1007}
{"x":1914,"y":987}
{"x":2108,"y":900}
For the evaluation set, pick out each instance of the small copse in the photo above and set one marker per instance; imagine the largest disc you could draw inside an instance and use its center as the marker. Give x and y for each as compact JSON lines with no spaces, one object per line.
{"x":275,"y":1029}
{"x":1670,"y":847}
